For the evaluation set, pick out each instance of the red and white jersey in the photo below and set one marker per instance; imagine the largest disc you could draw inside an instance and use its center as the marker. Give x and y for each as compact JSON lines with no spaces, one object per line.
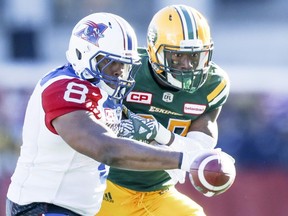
{"x":48,"y":169}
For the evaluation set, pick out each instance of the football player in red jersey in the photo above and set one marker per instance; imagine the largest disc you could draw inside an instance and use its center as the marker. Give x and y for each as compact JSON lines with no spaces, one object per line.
{"x":71,"y":125}
{"x":180,"y":87}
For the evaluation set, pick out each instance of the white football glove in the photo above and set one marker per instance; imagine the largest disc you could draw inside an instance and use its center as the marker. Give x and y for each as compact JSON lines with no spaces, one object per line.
{"x":190,"y":146}
{"x":176,"y":175}
{"x":189,"y":157}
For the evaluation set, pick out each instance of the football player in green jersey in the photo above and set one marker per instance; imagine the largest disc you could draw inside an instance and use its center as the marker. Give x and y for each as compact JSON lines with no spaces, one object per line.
{"x":179,"y":86}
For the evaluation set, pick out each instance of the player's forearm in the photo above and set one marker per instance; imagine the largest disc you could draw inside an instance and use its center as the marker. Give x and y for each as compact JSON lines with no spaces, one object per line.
{"x":130,"y":154}
{"x":93,"y":139}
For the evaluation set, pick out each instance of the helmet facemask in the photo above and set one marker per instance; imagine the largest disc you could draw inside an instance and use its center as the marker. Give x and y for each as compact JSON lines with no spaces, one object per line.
{"x":117,"y":86}
{"x":188,"y":79}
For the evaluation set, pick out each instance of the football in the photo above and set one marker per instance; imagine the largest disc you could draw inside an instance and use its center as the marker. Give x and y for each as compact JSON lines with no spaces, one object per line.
{"x":212,"y":172}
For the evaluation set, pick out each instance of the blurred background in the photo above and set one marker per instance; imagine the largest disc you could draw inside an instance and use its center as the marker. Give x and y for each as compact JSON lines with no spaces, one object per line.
{"x":251,"y":44}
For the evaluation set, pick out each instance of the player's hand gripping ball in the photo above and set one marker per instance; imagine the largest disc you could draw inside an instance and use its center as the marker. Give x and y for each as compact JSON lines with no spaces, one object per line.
{"x":212,"y":172}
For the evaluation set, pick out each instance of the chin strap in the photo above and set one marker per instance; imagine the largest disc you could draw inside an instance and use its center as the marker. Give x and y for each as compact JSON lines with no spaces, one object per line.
{"x":106,"y":88}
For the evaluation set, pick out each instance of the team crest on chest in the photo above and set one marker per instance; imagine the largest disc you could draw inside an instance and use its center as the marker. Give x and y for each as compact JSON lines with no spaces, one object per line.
{"x":167,"y":97}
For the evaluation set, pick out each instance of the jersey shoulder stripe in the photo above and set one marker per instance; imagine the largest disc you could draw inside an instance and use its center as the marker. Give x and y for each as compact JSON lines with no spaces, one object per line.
{"x":221,"y":98}
{"x":217,"y":87}
{"x":65,"y":70}
{"x":217,"y":90}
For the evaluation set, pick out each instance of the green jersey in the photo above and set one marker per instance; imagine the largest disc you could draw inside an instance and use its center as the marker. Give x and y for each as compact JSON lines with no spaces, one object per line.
{"x":174,"y":109}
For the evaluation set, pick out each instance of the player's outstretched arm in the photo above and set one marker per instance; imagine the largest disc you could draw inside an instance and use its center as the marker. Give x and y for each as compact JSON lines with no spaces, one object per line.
{"x":202,"y":134}
{"x":87,"y":135}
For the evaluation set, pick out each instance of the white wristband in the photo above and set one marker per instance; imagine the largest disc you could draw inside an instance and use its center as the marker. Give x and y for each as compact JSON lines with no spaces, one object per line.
{"x":189,"y":157}
{"x":194,"y":140}
{"x":163,"y":135}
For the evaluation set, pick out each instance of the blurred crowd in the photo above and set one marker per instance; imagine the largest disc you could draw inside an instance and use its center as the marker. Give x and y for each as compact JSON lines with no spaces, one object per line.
{"x":254,"y":128}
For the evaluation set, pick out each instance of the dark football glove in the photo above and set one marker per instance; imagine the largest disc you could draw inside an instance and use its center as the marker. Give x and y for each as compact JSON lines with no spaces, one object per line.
{"x":138,"y":128}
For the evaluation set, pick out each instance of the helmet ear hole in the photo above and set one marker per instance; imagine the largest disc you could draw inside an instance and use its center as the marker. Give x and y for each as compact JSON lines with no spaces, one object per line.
{"x":78,"y":54}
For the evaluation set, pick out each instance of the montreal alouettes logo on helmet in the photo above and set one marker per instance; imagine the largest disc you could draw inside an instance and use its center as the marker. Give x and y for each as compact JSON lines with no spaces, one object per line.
{"x":92,"y":32}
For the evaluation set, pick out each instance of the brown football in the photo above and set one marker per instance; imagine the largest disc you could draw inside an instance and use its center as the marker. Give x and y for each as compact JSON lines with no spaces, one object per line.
{"x":212,"y":172}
